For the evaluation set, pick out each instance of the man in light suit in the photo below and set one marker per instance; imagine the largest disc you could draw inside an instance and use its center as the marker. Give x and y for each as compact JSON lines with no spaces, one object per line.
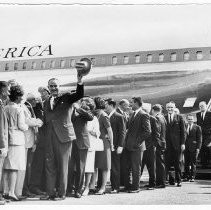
{"x":139,"y":130}
{"x":59,"y":135}
{"x":4,"y":93}
{"x":119,"y":130}
{"x":175,"y":142}
{"x":204,"y":120}
{"x":192,"y":148}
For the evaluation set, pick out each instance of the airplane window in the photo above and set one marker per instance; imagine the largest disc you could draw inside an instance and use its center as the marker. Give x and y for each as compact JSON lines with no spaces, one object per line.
{"x":72,"y":63}
{"x":43,"y":64}
{"x":137,"y":58}
{"x":24,"y":65}
{"x":114,"y":60}
{"x":16,"y":66}
{"x":62,"y":63}
{"x":52,"y":64}
{"x":33,"y":65}
{"x":126,"y":59}
{"x":173,"y":56}
{"x":186,"y":56}
{"x":6,"y":66}
{"x":199,"y":55}
{"x":161,"y":57}
{"x":93,"y":60}
{"x":149,"y":58}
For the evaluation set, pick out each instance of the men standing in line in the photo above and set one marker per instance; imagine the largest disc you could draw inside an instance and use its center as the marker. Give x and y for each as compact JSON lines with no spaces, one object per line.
{"x":160,"y":146}
{"x":59,"y":134}
{"x":139,"y":130}
{"x":192,"y":148}
{"x":119,"y":130}
{"x":175,"y":142}
{"x":4,"y":93}
{"x":204,"y":120}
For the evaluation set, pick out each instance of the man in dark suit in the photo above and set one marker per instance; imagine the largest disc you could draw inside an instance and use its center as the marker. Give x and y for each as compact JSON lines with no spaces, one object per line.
{"x":123,"y":109}
{"x":4,"y":93}
{"x":160,"y":145}
{"x":81,"y":115}
{"x":149,"y":153}
{"x":192,"y":147}
{"x":204,"y":120}
{"x":119,"y":130}
{"x":139,"y":130}
{"x":175,"y":142}
{"x":59,"y":135}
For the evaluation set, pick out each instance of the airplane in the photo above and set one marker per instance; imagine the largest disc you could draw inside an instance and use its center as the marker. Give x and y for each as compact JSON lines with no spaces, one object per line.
{"x":159,"y":76}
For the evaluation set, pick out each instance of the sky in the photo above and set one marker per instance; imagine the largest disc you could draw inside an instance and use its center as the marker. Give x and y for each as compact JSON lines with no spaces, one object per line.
{"x":104,"y":28}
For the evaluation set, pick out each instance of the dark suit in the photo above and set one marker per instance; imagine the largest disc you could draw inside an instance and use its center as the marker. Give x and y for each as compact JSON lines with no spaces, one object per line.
{"x":193,"y":142}
{"x":119,"y":131}
{"x":80,"y":147}
{"x":175,"y":137}
{"x":149,"y":153}
{"x":37,"y":180}
{"x":126,"y":119}
{"x":59,"y":134}
{"x":139,"y":130}
{"x":205,"y":124}
{"x":160,"y":150}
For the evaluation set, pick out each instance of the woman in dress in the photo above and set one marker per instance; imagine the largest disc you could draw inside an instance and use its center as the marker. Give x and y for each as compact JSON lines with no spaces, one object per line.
{"x":16,"y":158}
{"x":103,"y":158}
{"x":94,"y":133}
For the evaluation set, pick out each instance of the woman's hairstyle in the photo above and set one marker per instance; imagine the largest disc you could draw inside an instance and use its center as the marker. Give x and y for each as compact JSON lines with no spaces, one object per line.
{"x":15,"y":92}
{"x":89,"y":103}
{"x":99,"y":102}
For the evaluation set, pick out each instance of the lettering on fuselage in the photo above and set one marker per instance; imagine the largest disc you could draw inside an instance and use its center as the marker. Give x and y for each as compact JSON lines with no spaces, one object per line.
{"x":37,"y":50}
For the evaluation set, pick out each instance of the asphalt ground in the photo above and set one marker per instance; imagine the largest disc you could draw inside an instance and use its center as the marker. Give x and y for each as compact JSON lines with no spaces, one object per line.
{"x":191,"y":193}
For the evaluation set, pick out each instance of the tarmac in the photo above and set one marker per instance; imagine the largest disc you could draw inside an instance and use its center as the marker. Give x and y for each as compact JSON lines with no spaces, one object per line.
{"x":191,"y":193}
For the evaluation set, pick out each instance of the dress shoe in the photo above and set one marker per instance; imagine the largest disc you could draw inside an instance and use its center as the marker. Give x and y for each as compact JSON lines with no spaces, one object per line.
{"x":28,"y":194}
{"x":114,"y":191}
{"x":125,"y":189}
{"x":179,"y":184}
{"x":134,"y":191}
{"x":192,"y":180}
{"x":37,"y":191}
{"x":100,"y":192}
{"x":47,"y":197}
{"x":146,"y":185}
{"x":92,"y":191}
{"x":77,"y":195}
{"x":22,"y":197}
{"x":60,"y":198}
{"x":160,"y":186}
{"x":5,"y":196}
{"x":85,"y":192}
{"x":171,"y":183}
{"x":13,"y":198}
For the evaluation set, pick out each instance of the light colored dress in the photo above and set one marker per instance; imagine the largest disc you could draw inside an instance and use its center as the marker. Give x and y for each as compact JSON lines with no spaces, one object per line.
{"x":16,"y":157}
{"x":92,"y":126}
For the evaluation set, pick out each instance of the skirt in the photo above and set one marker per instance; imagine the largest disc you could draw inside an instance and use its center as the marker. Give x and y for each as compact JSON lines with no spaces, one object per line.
{"x":16,"y":158}
{"x":103,"y":158}
{"x":90,"y":162}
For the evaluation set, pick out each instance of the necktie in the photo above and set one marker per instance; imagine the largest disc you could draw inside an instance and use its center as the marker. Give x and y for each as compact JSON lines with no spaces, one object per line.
{"x":188,"y":130}
{"x":170,"y":120}
{"x":52,"y":102}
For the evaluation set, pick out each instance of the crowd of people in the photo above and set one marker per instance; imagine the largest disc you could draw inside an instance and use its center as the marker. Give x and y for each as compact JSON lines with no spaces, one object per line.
{"x":67,"y":144}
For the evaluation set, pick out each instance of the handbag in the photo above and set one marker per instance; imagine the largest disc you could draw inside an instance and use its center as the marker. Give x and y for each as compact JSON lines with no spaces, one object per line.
{"x":96,"y":144}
